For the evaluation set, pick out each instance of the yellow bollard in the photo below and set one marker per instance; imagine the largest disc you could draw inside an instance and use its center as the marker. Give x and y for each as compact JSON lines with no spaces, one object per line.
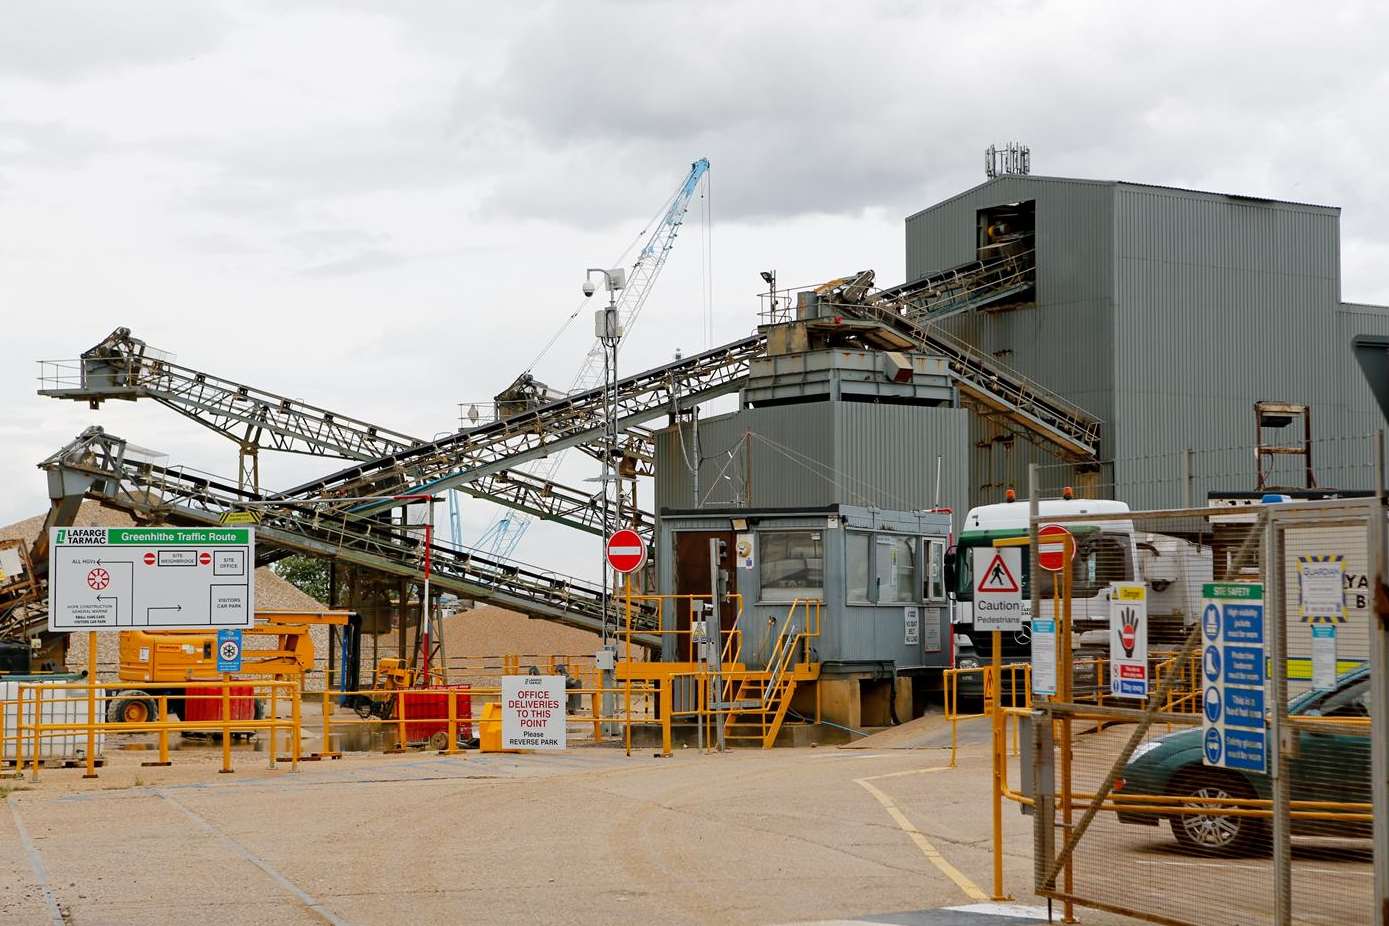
{"x":226,"y":725}
{"x":597,"y":698}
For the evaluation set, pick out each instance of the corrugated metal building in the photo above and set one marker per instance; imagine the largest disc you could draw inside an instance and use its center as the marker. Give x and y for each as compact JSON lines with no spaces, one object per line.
{"x":1167,"y":313}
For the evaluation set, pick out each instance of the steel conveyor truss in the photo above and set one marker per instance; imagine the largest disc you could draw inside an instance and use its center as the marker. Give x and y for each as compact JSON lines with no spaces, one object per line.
{"x":989,"y":387}
{"x":97,"y":465}
{"x":124,"y":367}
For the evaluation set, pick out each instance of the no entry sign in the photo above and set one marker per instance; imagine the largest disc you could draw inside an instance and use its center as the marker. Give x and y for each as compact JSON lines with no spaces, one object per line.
{"x":1051,"y":547}
{"x":626,"y":551}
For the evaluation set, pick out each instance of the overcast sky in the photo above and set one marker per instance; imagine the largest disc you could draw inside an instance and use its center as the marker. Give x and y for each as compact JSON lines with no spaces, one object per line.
{"x":387,"y":208}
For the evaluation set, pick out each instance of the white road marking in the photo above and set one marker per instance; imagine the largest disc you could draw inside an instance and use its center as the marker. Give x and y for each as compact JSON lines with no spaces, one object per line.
{"x":35,"y":862}
{"x":302,"y":896}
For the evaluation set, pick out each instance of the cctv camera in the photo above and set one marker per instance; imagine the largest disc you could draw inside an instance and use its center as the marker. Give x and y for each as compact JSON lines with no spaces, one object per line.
{"x":588,"y":288}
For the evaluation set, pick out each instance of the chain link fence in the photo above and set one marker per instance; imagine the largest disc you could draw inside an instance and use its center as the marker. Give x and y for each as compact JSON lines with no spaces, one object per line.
{"x":1221,"y":771}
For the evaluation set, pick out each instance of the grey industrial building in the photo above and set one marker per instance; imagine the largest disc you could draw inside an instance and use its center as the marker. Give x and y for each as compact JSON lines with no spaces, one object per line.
{"x":1167,"y":313}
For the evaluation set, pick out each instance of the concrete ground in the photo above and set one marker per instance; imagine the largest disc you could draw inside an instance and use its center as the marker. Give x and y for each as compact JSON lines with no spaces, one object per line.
{"x":590,"y":835}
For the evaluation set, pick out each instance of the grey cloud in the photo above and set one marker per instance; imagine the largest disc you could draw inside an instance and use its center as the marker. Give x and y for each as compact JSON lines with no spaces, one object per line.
{"x":66,"y":40}
{"x":362,"y":262}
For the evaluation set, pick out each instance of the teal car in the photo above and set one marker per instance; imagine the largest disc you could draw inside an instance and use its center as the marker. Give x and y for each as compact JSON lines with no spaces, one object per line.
{"x":1328,"y":765}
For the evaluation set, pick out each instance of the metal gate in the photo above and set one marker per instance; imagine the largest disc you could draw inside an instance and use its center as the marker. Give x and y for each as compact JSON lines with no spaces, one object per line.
{"x":1235,"y":784}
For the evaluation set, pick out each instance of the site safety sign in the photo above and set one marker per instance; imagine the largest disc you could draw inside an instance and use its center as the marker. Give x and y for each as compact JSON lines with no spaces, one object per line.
{"x":1128,"y":640}
{"x":533,"y":712}
{"x":116,"y":578}
{"x":997,"y":588}
{"x":1232,"y":676}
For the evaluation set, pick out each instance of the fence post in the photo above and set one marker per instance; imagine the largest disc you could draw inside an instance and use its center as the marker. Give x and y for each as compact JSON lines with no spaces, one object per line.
{"x":91,"y":705}
{"x":297,"y":718}
{"x":326,"y":749}
{"x":163,"y":718}
{"x":38,"y":729}
{"x":274,"y":717}
{"x":400,"y":720}
{"x":1379,"y":682}
{"x":226,"y":725}
{"x":453,"y":723}
{"x":596,"y":698}
{"x":667,"y":705}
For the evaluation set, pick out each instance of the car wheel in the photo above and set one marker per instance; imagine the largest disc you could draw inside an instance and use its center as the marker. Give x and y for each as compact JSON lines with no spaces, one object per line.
{"x":1217,"y":834}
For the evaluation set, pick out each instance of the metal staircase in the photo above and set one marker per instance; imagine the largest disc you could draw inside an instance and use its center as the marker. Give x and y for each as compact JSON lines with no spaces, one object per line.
{"x":757,"y":700}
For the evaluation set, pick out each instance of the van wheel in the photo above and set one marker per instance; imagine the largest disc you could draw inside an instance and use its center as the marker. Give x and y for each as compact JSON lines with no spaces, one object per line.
{"x":1216,"y":834}
{"x":130,"y":707}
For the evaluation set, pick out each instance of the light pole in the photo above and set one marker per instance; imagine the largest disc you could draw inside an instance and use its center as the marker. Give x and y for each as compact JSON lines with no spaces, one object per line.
{"x":608,"y":328}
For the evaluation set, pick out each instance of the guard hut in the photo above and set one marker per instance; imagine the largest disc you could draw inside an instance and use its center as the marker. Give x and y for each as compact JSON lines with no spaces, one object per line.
{"x":832,"y":483}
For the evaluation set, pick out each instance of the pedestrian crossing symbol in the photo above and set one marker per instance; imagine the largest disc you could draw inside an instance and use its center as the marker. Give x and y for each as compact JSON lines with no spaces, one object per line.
{"x":997,"y":577}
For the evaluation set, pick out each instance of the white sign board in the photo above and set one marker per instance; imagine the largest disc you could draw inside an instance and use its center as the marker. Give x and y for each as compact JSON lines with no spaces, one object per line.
{"x":533,"y":712}
{"x":1044,"y":656}
{"x":1321,"y":595}
{"x":166,"y":578}
{"x":997,"y":588}
{"x":1323,"y":656}
{"x":1128,"y":640}
{"x":911,"y":619}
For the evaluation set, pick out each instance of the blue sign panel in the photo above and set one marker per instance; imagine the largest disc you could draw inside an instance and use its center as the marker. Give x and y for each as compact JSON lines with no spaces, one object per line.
{"x":1137,"y":687}
{"x":1244,"y":707}
{"x":1211,"y":704}
{"x":228,"y":650}
{"x":1212,"y":664}
{"x":1244,"y":749}
{"x":1210,"y":622}
{"x":1214,"y":749}
{"x":1244,"y":665}
{"x":1244,"y":623}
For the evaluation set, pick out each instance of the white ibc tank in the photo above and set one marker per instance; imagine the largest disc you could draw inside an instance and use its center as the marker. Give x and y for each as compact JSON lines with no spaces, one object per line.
{"x":68,"y":706}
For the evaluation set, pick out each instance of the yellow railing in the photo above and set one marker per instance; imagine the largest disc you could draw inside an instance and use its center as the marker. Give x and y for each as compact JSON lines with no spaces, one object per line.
{"x":35,"y":700}
{"x":1014,"y":689}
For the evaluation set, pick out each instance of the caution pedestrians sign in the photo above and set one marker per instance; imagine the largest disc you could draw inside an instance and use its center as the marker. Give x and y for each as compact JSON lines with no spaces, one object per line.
{"x":997,"y":589}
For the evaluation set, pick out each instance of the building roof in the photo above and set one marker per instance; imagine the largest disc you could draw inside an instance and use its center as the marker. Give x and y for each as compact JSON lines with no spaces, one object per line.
{"x":1034,"y":178}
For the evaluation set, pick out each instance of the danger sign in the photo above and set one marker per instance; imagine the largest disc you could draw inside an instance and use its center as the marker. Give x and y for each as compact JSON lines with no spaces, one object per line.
{"x":626,"y":551}
{"x":533,"y":712}
{"x":997,"y":588}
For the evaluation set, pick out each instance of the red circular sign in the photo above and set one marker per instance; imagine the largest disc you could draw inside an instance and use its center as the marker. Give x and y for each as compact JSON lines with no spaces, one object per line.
{"x":149,"y":559}
{"x":1051,"y":547}
{"x":626,"y":551}
{"x":204,"y":558}
{"x":98,"y":578}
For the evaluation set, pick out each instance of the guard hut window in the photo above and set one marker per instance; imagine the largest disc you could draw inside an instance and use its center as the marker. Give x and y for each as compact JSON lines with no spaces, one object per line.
{"x":792,"y":565}
{"x":896,"y":569}
{"x":935,"y":570}
{"x":857,"y":562}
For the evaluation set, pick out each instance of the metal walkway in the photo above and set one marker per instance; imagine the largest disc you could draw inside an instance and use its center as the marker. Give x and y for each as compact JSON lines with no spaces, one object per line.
{"x":124,"y":367}
{"x":989,"y":387}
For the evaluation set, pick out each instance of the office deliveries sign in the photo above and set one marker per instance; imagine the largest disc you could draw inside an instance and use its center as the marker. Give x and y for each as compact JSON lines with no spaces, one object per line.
{"x":116,"y":578}
{"x":1128,"y":639}
{"x":533,"y":712}
{"x":997,"y":589}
